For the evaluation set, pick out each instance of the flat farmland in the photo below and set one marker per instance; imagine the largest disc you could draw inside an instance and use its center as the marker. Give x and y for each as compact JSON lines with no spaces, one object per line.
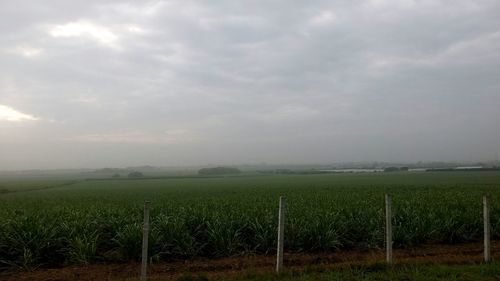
{"x":97,"y":221}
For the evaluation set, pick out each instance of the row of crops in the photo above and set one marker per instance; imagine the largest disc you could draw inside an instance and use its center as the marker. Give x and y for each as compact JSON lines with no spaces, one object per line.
{"x":102,"y":221}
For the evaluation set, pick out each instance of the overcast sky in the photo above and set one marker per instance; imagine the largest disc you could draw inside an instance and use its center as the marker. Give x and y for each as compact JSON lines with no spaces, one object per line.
{"x":114,"y":83}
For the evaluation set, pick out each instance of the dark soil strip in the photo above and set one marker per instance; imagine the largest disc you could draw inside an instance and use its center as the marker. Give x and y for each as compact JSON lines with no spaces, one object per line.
{"x":234,"y":266}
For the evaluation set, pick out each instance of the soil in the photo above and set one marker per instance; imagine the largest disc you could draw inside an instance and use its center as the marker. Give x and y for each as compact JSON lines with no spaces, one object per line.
{"x":227,"y":267}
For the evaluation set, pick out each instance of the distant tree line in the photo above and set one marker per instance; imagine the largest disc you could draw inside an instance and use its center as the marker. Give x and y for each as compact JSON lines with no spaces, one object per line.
{"x":218,"y":171}
{"x":464,"y":170}
{"x":293,"y":172}
{"x":135,"y":175}
{"x":396,"y":169}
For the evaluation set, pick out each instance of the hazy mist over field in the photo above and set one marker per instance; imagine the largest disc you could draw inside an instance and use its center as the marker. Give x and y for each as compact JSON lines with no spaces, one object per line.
{"x":115,"y":83}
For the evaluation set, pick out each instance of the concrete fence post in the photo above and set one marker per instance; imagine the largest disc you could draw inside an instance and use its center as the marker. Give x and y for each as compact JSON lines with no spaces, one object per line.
{"x":487,"y":228}
{"x":388,"y":229}
{"x":281,"y":233}
{"x":145,"y":240}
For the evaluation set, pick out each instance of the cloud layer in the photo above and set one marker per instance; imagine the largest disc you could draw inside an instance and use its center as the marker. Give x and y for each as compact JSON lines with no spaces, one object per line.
{"x":118,"y":83}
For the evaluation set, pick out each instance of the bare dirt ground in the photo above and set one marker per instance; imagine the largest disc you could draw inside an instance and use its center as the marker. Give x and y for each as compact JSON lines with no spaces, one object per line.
{"x":227,"y":267}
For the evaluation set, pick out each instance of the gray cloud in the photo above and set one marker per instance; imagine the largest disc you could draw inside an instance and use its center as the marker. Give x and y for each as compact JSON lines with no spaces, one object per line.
{"x":115,"y":83}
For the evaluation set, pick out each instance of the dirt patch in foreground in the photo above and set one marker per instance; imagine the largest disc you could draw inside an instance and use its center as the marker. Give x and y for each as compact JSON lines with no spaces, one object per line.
{"x":227,"y":267}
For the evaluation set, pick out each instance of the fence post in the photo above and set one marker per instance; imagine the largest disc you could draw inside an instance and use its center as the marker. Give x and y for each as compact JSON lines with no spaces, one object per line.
{"x":281,"y":232}
{"x":487,"y":228}
{"x":145,"y":238}
{"x":388,"y":229}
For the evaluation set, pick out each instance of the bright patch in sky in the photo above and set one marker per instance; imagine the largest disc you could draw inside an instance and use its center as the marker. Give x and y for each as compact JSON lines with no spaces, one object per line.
{"x":28,"y":51}
{"x":9,"y":114}
{"x":89,"y":30}
{"x":323,"y":18}
{"x":135,"y":29}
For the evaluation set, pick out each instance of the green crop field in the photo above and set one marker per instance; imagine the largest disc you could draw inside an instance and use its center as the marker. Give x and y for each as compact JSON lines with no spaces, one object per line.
{"x":93,"y":221}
